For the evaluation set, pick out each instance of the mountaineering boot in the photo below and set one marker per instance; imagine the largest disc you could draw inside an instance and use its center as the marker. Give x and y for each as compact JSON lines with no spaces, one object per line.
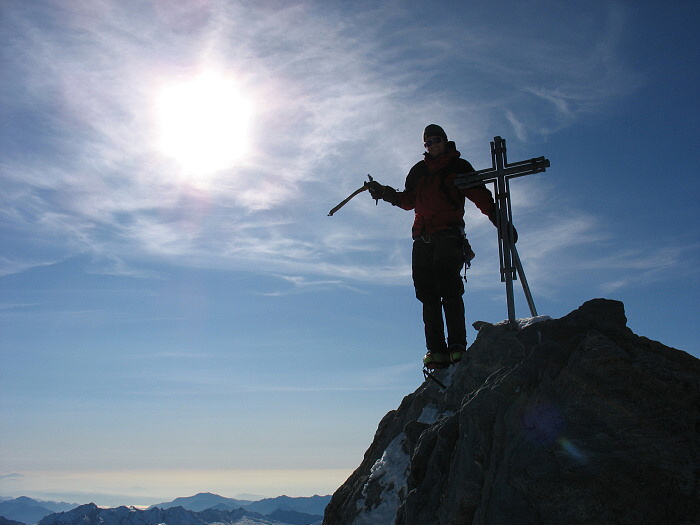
{"x":435,"y":360}
{"x":456,"y":353}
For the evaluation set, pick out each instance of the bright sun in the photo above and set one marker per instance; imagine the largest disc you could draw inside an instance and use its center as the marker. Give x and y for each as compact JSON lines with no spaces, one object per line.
{"x":204,"y":123}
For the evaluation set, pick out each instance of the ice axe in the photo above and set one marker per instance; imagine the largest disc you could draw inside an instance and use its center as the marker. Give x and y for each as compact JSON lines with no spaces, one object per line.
{"x":356,"y":192}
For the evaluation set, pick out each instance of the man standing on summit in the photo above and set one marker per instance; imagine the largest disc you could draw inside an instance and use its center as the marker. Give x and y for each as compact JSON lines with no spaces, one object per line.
{"x":439,"y":245}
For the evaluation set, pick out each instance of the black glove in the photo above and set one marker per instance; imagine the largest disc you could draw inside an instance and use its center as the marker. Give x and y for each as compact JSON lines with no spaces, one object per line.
{"x":514,"y":233}
{"x":494,"y":221}
{"x":376,"y":190}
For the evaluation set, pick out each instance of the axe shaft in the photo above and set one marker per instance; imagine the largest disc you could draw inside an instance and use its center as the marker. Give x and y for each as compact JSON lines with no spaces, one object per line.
{"x":356,"y":192}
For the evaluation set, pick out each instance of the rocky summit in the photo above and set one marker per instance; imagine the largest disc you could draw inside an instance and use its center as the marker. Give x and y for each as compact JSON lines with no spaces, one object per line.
{"x":565,"y":421}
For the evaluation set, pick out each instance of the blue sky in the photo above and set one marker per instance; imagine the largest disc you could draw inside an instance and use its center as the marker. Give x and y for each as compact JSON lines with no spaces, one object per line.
{"x":177,"y":312}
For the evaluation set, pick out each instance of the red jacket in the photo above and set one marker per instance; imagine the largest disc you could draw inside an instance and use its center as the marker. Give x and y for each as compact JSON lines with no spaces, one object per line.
{"x":431,"y":192}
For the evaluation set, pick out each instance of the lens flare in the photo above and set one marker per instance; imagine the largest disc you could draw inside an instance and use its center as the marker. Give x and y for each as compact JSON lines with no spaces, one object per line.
{"x":573,"y":451}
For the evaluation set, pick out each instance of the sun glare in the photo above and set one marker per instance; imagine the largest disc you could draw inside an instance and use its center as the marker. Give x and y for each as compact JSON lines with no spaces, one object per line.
{"x":204,"y":123}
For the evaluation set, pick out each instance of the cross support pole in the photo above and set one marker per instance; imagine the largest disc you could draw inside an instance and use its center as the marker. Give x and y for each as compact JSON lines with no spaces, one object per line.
{"x":500,"y":174}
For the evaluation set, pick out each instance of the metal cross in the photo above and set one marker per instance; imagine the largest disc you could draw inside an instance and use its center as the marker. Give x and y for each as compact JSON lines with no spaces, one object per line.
{"x":500,"y":173}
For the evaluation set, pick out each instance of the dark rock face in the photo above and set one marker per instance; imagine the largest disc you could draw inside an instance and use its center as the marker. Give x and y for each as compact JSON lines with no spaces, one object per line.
{"x":569,"y":421}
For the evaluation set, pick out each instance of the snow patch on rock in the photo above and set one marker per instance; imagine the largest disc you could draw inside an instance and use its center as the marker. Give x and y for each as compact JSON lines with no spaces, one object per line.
{"x":390,"y":473}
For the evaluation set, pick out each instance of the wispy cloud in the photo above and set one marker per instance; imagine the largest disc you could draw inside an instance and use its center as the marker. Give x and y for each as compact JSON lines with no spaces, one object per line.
{"x":336,"y":95}
{"x":300,"y":284}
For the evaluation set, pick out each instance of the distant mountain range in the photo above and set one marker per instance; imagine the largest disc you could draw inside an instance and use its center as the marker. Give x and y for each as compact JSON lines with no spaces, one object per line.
{"x":5,"y":521}
{"x":28,"y":510}
{"x":205,"y":500}
{"x":200,"y":509}
{"x":91,"y":514}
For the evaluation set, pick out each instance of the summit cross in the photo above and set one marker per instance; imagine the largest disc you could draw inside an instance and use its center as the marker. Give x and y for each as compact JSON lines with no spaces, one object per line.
{"x":500,"y":174}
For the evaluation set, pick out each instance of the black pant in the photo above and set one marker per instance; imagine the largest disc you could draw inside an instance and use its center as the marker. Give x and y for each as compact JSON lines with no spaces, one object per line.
{"x":437,"y":262}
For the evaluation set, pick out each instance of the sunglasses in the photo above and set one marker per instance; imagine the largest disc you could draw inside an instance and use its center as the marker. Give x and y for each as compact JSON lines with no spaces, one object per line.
{"x":433,"y":140}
